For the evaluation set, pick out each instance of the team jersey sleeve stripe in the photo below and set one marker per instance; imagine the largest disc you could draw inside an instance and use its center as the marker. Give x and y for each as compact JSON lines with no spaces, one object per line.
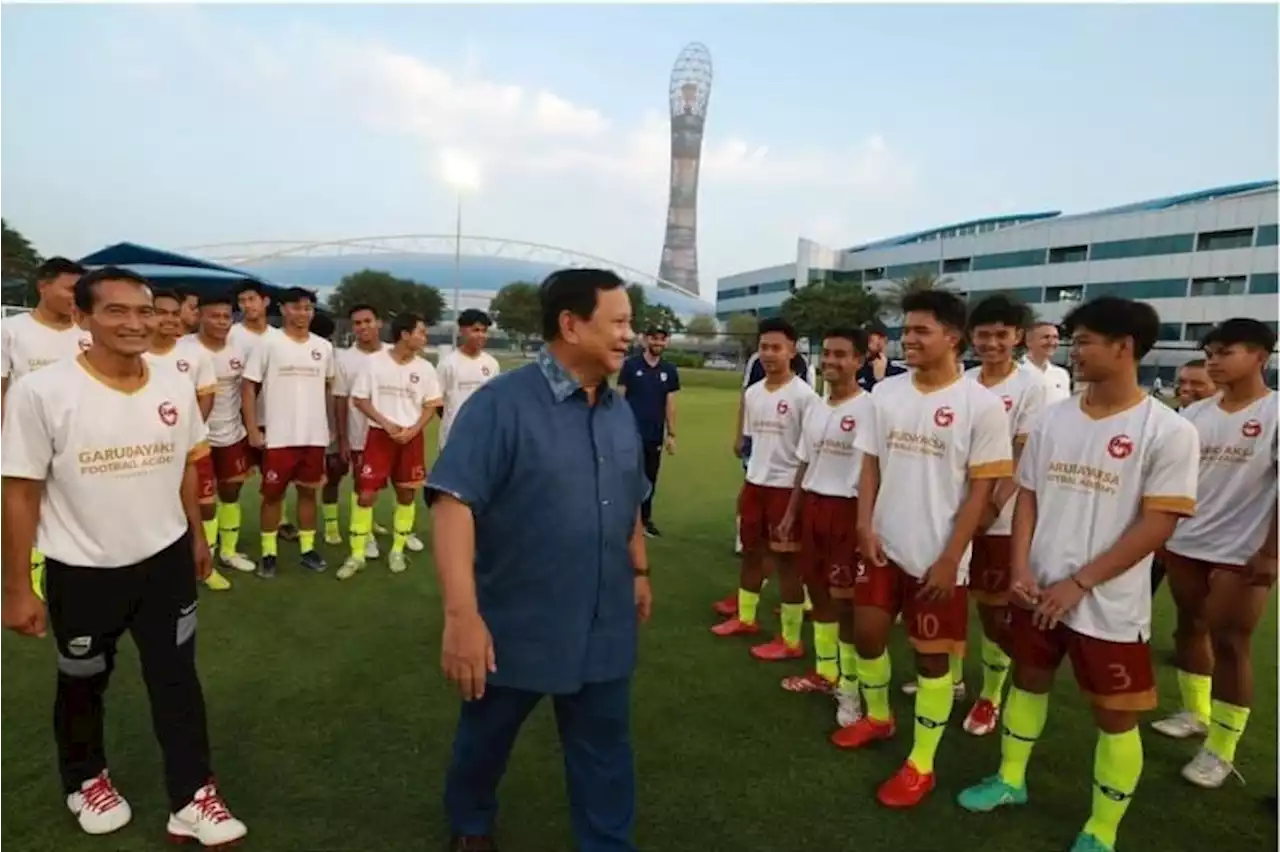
{"x":206,"y":390}
{"x":433,"y":403}
{"x":1002,"y":469}
{"x":198,"y":452}
{"x":1185,"y":506}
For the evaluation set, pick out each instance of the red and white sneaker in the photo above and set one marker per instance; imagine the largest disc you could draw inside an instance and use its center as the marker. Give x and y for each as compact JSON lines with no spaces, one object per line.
{"x":983,"y":718}
{"x":776,"y":650}
{"x":907,"y":788}
{"x":206,"y":821}
{"x":734,"y":627}
{"x":810,"y":682}
{"x":727,"y":606}
{"x":863,"y":733}
{"x":98,"y":806}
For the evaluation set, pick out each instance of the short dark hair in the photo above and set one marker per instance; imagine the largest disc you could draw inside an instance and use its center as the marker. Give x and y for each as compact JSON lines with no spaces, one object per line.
{"x":404,"y":323}
{"x":1242,"y":330}
{"x":1000,"y":309}
{"x":876,"y":327}
{"x":474,"y":316}
{"x":355,"y":309}
{"x":87,"y":285}
{"x":322,"y":325}
{"x":1115,"y":318}
{"x":167,"y":293}
{"x":947,"y":308}
{"x":216,"y":297}
{"x":856,"y":336}
{"x":55,"y":266}
{"x":293,"y":295}
{"x":575,"y":291}
{"x":778,"y":325}
{"x":1195,"y":364}
{"x":185,"y":293}
{"x":250,"y":285}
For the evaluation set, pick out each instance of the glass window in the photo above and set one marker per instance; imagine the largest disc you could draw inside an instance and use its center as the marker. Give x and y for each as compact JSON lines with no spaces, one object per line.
{"x":906,"y":270}
{"x":847,"y":276}
{"x":777,"y":286}
{"x":1217,"y":240}
{"x":1159,"y":288}
{"x":1026,"y":295}
{"x":765,"y":313}
{"x":874,"y":274}
{"x":1009,"y":259}
{"x":1266,"y":235}
{"x":1233,"y":285}
{"x":956,"y":264}
{"x":1144,"y":247}
{"x":1069,"y":254}
{"x":1197,"y":330}
{"x":1070,"y":293}
{"x":1263,"y":282}
{"x":1170,"y":331}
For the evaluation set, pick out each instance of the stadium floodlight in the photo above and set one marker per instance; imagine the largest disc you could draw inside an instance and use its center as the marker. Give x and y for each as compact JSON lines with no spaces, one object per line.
{"x":462,"y":172}
{"x":689,"y":94}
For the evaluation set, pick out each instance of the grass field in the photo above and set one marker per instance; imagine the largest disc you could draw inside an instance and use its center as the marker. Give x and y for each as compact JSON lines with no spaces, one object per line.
{"x":331,"y":723}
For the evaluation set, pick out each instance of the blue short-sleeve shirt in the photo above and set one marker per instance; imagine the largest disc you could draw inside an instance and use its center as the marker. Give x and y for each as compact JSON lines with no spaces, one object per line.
{"x":555,"y":486}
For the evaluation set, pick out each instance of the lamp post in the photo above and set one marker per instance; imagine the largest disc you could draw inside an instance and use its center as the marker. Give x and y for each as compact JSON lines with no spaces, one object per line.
{"x":462,"y":173}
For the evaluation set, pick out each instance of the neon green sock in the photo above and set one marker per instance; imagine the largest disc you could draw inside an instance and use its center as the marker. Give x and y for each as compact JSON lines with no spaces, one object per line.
{"x":792,"y":623}
{"x":361,"y":528}
{"x":228,"y":527}
{"x":995,"y":668}
{"x":748,"y":603}
{"x":848,"y":668}
{"x":306,"y":540}
{"x":211,"y":532}
{"x":826,"y":649}
{"x":269,"y":543}
{"x":402,"y":524}
{"x":329,"y":511}
{"x":934,"y":699}
{"x":37,"y":573}
{"x":873,"y":676}
{"x":1117,"y":766}
{"x":1226,"y":726}
{"x":956,"y":662}
{"x":808,"y":604}
{"x":1024,"y":717}
{"x":1197,"y":694}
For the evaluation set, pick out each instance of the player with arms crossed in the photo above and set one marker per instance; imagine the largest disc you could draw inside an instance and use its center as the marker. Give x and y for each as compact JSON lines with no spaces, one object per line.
{"x":996,"y":328}
{"x":773,"y":411}
{"x":398,"y":392}
{"x":1104,"y":478}
{"x":293,"y":369}
{"x":824,"y":504}
{"x":1222,"y":562}
{"x":466,"y":368}
{"x":99,"y":464}
{"x":935,"y":445}
{"x":173,"y":354}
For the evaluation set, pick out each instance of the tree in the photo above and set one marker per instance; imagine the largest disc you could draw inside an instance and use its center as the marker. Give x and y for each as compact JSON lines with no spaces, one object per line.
{"x":19,"y":265}
{"x":891,"y":298}
{"x":645,"y":315}
{"x":741,"y":329}
{"x":703,"y":327}
{"x":818,"y":308}
{"x":517,"y":310}
{"x":388,"y":294}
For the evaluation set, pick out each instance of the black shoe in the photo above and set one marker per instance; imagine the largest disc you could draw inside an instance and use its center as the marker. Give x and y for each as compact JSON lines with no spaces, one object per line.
{"x":288,"y":532}
{"x":267,"y":568}
{"x":313,"y":561}
{"x":472,"y":844}
{"x":651,"y":530}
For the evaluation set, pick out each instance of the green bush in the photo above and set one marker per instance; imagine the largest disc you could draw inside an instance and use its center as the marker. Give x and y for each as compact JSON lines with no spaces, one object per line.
{"x":684,"y":360}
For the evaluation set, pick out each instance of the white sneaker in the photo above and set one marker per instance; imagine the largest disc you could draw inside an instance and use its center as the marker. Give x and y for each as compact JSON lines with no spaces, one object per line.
{"x":371,"y":548}
{"x":238,"y":561}
{"x":206,"y":820}
{"x":99,"y":807}
{"x":848,"y":708}
{"x":333,"y":539}
{"x":1181,"y":726}
{"x":414,"y":544}
{"x":911,"y":687}
{"x":349,"y":568}
{"x":396,"y":562}
{"x":1209,"y":771}
{"x":379,"y":529}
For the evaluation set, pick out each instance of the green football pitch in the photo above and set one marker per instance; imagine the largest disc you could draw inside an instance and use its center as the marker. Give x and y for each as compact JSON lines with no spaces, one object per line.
{"x":331,"y":723}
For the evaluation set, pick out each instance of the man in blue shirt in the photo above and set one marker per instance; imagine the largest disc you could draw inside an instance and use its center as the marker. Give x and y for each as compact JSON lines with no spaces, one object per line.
{"x":650,"y":383}
{"x":542,"y":566}
{"x":878,"y":367}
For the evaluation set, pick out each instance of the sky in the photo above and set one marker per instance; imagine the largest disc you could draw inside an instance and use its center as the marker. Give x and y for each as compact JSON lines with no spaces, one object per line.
{"x":177,"y":126}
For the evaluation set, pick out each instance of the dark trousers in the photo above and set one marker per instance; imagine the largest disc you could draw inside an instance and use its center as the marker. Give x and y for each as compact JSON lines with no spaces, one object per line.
{"x":595,"y":736}
{"x":652,"y":461}
{"x":89,"y":609}
{"x":1157,"y":575}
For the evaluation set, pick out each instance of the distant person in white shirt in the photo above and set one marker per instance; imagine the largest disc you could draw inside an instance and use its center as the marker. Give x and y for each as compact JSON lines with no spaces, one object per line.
{"x":190,"y":313}
{"x":1042,"y":343}
{"x":99,"y":454}
{"x":466,"y":368}
{"x":41,"y":337}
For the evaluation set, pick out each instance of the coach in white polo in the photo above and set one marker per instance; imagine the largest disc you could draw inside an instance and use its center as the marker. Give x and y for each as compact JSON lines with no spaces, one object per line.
{"x":98,"y":462}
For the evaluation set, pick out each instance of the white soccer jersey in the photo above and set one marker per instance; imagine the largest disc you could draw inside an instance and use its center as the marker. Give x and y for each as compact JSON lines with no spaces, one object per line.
{"x":1237,"y":486}
{"x":1057,"y":380}
{"x":189,"y":361}
{"x":1092,"y":479}
{"x":226,"y":422}
{"x":351,"y":362}
{"x":828,"y":446}
{"x":929,"y":445}
{"x":399,"y":392}
{"x":1023,"y":393}
{"x":246,"y":341}
{"x":461,"y":376}
{"x":294,"y":376}
{"x":773,"y":421}
{"x":111,"y":461}
{"x":27,"y":344}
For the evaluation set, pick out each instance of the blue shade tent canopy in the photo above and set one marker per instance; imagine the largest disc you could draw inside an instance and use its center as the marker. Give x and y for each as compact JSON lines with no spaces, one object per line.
{"x":132,"y":254}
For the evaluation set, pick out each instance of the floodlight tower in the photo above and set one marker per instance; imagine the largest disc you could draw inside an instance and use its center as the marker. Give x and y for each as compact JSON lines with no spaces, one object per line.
{"x":689,"y":94}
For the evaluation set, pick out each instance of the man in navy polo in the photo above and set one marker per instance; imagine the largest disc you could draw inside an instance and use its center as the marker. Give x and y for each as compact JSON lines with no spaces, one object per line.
{"x":650,"y":384}
{"x":878,"y":367}
{"x":541,"y":556}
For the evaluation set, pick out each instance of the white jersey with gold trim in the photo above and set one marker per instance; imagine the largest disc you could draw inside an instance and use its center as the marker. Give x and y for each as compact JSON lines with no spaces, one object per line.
{"x":772,"y":419}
